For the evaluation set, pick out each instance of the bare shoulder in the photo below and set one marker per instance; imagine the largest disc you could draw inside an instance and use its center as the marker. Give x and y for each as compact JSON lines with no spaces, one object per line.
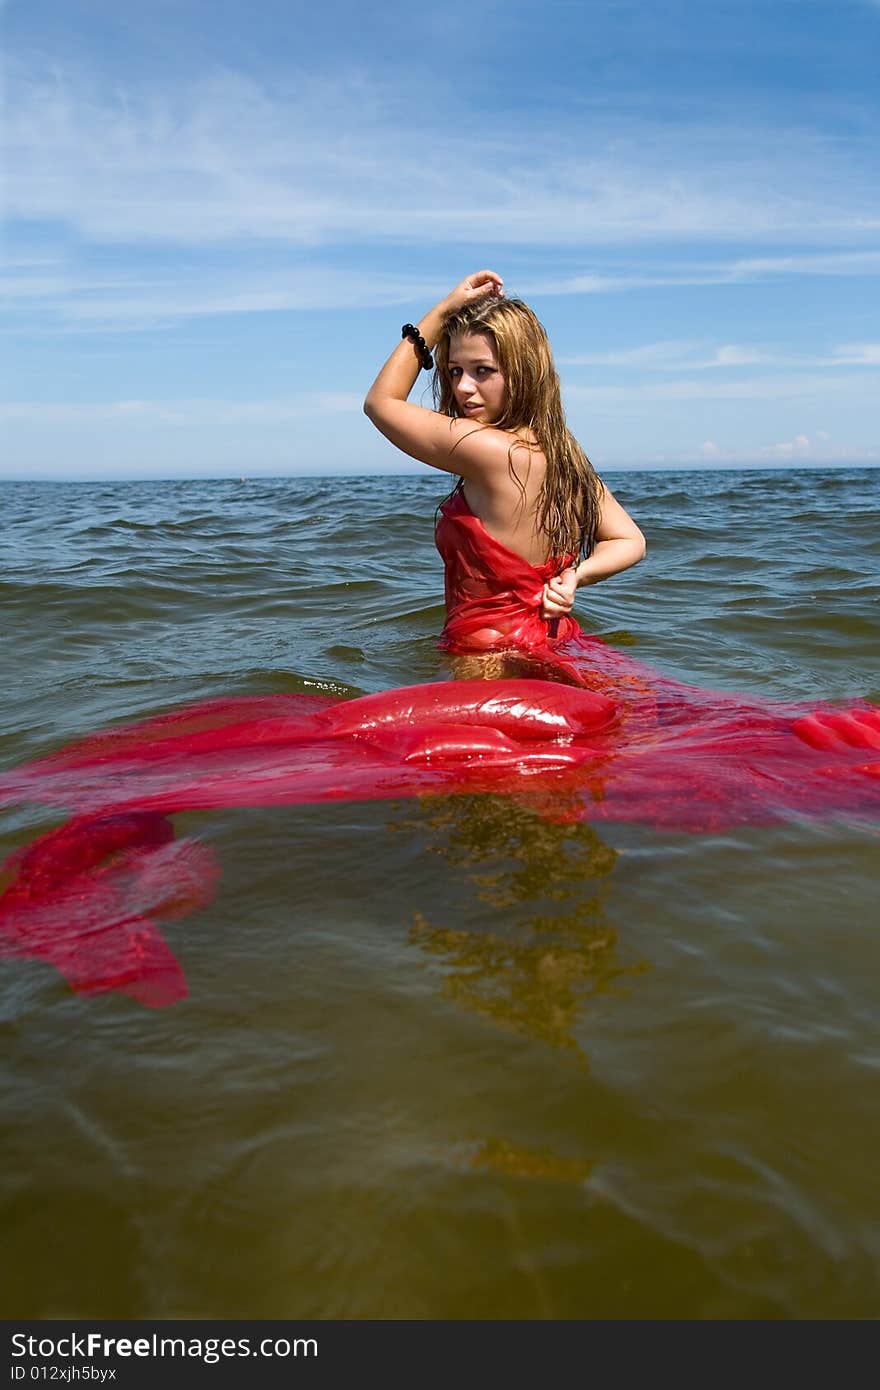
{"x":522,"y":444}
{"x":442,"y":441}
{"x":518,"y":466}
{"x":485,"y":447}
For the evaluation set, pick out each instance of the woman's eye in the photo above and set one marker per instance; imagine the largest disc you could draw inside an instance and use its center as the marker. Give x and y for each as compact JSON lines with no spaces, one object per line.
{"x":455,"y":373}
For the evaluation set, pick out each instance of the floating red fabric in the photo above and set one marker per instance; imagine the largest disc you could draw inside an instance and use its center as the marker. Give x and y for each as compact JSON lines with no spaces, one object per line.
{"x":598,"y":736}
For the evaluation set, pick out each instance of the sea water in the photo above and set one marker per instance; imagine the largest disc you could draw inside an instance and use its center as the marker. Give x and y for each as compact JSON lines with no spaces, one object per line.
{"x":441,"y":1058}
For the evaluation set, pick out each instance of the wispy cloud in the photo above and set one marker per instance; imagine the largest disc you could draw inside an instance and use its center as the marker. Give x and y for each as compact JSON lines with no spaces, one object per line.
{"x":675,"y":355}
{"x":132,"y":302}
{"x":662,"y":355}
{"x":819,"y":449}
{"x":322,"y":160}
{"x":709,"y":272}
{"x":320,"y":167}
{"x":858,"y":354}
{"x":768,"y":388}
{"x":816,"y":263}
{"x":198,"y":412}
{"x":281,"y":410}
{"x":731,"y":207}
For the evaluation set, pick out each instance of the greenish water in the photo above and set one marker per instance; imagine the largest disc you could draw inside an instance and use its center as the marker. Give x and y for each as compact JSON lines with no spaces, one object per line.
{"x":440,"y":1058}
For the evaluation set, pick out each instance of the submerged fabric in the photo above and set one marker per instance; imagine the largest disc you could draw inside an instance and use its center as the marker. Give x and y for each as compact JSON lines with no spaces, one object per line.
{"x":578,"y":730}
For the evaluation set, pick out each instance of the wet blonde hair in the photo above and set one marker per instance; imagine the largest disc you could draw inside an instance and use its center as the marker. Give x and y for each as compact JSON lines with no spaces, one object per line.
{"x":568,"y":507}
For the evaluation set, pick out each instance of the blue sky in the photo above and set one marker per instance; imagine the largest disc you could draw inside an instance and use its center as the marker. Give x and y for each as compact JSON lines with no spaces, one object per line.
{"x":218,"y":214}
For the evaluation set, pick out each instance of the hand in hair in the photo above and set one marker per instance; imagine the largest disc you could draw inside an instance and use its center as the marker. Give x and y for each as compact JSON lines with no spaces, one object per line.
{"x":480,"y":285}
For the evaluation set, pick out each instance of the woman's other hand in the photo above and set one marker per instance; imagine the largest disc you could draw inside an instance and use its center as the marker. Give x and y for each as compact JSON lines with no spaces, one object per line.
{"x":559,"y":595}
{"x":481,"y":285}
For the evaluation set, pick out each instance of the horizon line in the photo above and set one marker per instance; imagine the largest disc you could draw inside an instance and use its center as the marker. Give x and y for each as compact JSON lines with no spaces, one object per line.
{"x":753,"y":466}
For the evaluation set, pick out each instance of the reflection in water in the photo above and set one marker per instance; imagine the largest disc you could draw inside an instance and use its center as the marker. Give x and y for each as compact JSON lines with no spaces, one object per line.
{"x":498,"y":1155}
{"x":508,"y":664}
{"x":533,"y":976}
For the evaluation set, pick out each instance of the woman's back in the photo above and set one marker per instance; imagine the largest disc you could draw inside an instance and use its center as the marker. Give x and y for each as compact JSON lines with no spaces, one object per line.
{"x":507,"y":504}
{"x":493,"y":593}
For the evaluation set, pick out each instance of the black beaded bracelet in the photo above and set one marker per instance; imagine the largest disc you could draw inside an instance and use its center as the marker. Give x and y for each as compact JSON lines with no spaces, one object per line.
{"x":410,"y":331}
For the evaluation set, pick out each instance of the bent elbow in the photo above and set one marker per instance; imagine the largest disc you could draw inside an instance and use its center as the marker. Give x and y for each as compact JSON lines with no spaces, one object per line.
{"x":638,"y":544}
{"x":376,"y":410}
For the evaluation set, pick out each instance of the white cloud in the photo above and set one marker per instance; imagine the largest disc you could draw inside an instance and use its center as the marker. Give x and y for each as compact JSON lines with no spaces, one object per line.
{"x":135,"y":299}
{"x":327,"y":160}
{"x":771,"y":388}
{"x":730,"y":356}
{"x":801,"y":450}
{"x":799,"y":447}
{"x":816,"y":263}
{"x":858,"y":354}
{"x":676,"y":355}
{"x":200,"y":413}
{"x":669,"y":352}
{"x":707,"y":272}
{"x":215,"y":437}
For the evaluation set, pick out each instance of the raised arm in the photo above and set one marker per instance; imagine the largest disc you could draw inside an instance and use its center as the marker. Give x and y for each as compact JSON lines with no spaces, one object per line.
{"x":456,"y":446}
{"x":619,"y":545}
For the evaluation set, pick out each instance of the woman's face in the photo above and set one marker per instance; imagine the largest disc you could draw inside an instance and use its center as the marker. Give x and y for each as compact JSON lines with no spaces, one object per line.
{"x":480,"y":389}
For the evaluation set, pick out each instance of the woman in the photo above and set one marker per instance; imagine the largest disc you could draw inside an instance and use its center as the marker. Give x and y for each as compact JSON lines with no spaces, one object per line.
{"x":529,"y":521}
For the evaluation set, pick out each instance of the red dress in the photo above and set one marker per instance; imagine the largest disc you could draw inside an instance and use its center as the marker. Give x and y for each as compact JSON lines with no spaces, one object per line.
{"x":493,"y":603}
{"x":493,"y":595}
